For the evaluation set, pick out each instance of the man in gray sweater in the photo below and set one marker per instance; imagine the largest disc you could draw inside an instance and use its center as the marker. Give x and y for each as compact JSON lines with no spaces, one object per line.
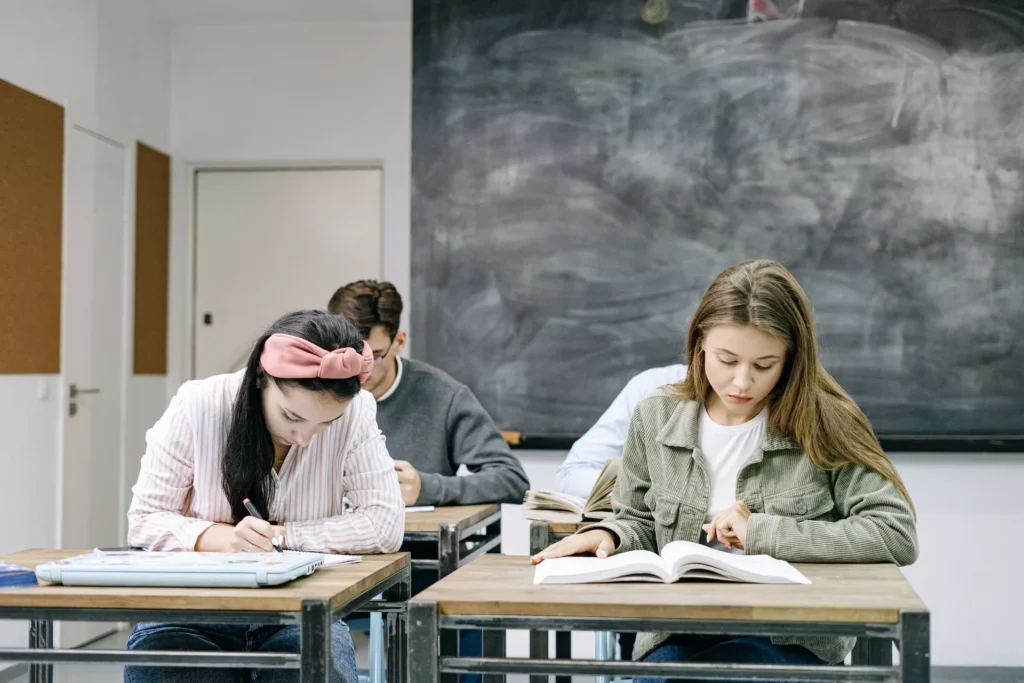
{"x":432,"y":423}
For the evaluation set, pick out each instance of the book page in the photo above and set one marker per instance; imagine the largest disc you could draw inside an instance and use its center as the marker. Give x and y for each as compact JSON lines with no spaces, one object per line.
{"x":330,"y":559}
{"x":547,"y":499}
{"x":680,"y":555}
{"x":600,"y":495}
{"x":545,"y":515}
{"x":640,"y":563}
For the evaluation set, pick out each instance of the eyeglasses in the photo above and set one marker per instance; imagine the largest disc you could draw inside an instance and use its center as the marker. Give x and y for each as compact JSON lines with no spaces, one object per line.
{"x":378,"y":356}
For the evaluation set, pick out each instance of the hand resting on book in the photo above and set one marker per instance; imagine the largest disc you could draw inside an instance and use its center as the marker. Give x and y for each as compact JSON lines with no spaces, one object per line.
{"x":597,"y":541}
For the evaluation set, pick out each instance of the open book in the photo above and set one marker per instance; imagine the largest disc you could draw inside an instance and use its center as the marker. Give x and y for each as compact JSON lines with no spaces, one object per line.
{"x":678,"y":560}
{"x":551,"y":506}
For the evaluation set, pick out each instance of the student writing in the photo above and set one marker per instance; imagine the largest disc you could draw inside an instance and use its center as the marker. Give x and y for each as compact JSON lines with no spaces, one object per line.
{"x":295,"y":434}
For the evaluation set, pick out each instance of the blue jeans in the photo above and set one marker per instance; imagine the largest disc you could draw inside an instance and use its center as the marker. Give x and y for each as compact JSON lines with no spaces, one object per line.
{"x":726,"y":649}
{"x":240,"y":638}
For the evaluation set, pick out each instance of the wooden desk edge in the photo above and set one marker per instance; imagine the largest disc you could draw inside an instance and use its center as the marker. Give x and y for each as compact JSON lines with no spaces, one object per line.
{"x":429,"y":522}
{"x":868,"y":615}
{"x":402,"y":560}
{"x":286,"y":598}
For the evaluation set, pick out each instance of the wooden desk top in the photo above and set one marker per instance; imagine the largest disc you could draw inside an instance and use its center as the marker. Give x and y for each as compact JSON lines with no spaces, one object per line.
{"x":339,"y":584}
{"x":838,"y":593}
{"x":460,"y":515}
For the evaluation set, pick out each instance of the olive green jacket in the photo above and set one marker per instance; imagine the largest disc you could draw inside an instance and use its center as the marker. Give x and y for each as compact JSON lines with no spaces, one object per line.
{"x":799,"y":513}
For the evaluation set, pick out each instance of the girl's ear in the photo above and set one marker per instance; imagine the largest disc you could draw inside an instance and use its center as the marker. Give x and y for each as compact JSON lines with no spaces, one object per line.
{"x":259,"y":378}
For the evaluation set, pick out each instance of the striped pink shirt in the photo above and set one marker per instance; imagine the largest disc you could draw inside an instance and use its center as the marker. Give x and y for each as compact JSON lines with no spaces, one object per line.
{"x":179,"y":495}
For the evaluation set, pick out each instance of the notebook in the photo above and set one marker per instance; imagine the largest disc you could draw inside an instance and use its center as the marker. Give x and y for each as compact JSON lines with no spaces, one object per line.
{"x":180,"y":569}
{"x":13,"y":576}
{"x":678,"y":561}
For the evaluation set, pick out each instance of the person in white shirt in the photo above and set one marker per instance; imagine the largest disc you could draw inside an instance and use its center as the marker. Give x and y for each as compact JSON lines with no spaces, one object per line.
{"x":605,"y":439}
{"x":578,"y":474}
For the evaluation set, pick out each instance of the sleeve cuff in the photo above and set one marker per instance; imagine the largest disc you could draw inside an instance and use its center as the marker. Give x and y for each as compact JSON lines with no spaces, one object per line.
{"x":430,"y":489}
{"x":302,"y":535}
{"x":191,"y":531}
{"x":761,"y":532}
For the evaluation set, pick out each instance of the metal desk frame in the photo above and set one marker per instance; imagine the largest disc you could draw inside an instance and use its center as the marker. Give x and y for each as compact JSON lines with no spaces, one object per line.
{"x":870,"y":650}
{"x":458,"y":545}
{"x":314,"y":620}
{"x":541,"y":537}
{"x":912,"y":632}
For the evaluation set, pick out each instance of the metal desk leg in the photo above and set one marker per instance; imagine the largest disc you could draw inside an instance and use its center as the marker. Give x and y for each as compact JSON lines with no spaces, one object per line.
{"x":604,"y":650}
{"x":872,"y":652}
{"x":398,"y":645}
{"x":378,"y":648}
{"x":494,"y":646}
{"x":915,"y":647}
{"x":540,"y":538}
{"x":563,"y":650}
{"x":495,"y":640}
{"x":40,"y":635}
{"x":423,"y":660}
{"x":448,"y":562}
{"x":315,"y":637}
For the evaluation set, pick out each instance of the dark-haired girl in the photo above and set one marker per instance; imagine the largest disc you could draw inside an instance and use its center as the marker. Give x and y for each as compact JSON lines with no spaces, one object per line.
{"x":292,"y":432}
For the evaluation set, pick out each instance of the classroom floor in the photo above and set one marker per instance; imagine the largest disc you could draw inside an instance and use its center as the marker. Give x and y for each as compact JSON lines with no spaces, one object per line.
{"x":96,"y":673}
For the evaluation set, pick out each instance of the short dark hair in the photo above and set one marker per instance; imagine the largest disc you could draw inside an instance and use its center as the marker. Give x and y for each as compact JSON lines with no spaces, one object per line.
{"x":368,"y":303}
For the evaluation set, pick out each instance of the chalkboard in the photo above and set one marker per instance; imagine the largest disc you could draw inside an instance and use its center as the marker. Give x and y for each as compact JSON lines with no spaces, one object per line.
{"x":582,"y":170}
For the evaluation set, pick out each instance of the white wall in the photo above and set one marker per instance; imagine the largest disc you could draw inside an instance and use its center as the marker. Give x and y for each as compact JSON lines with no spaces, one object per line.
{"x":28,"y":459}
{"x":133,"y":101}
{"x":290,"y":93}
{"x":108,"y":64}
{"x":970,"y":565}
{"x":49,"y":47}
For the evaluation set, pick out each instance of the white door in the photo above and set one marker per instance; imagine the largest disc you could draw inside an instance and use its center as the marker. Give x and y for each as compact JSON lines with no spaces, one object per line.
{"x":269,"y":242}
{"x":93,"y":354}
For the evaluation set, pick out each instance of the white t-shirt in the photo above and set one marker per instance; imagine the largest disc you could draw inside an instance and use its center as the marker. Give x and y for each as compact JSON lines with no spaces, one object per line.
{"x":726,"y":449}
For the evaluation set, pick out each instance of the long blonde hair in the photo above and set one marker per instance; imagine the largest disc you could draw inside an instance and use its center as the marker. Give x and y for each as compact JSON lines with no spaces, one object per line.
{"x":807,"y":403}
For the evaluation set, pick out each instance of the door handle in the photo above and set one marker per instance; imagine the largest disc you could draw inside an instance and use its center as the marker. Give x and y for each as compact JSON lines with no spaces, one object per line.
{"x":73,"y":393}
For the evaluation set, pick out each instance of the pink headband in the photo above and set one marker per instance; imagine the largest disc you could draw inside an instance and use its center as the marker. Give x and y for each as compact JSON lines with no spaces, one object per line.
{"x":287,"y":357}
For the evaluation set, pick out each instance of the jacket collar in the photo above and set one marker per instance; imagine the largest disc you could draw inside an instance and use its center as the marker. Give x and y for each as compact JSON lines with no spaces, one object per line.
{"x":681,"y":430}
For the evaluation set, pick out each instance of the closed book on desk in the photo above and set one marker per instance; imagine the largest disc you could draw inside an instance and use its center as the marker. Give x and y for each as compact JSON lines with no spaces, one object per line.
{"x":552,"y":506}
{"x":679,"y":560}
{"x":13,"y":576}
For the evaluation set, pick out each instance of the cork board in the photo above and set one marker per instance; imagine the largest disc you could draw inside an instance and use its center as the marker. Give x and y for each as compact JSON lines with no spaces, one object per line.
{"x":152,"y":253}
{"x":31,"y":204}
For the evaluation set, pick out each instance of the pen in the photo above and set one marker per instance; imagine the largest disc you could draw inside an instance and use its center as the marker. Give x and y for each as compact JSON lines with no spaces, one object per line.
{"x":276,"y":540}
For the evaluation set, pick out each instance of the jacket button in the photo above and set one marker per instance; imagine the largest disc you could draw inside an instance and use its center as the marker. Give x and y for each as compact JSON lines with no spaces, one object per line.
{"x":801,"y":509}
